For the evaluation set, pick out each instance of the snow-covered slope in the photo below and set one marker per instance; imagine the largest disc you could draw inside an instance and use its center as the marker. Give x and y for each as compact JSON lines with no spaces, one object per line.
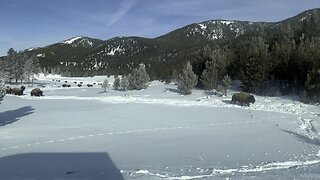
{"x":154,"y":134}
{"x":80,"y":41}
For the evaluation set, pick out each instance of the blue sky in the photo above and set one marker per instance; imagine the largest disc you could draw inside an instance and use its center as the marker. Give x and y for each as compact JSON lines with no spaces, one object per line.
{"x":36,"y":23}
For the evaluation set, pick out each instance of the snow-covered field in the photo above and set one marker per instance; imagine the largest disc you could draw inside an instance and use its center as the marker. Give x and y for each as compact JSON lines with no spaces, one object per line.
{"x":81,"y":133}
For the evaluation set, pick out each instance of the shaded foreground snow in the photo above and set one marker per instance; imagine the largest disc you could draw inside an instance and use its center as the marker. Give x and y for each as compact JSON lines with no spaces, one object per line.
{"x":159,"y":134}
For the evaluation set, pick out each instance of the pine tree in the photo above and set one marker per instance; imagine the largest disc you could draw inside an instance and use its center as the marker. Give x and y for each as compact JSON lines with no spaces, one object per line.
{"x":2,"y":91}
{"x":254,"y":64}
{"x":139,"y":78}
{"x":313,"y":85}
{"x":174,"y":76}
{"x":215,"y":67}
{"x":116,"y":83}
{"x":124,"y":83}
{"x":10,"y":64}
{"x":31,"y":67}
{"x":20,"y":66}
{"x":187,"y":79}
{"x":105,"y":85}
{"x":225,"y":84}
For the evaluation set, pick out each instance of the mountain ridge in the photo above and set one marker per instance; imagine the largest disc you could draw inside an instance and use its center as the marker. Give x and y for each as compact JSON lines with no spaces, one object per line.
{"x":118,"y":55}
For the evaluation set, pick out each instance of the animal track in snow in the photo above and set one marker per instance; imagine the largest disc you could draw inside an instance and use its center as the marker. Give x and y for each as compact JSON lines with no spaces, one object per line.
{"x":79,"y":137}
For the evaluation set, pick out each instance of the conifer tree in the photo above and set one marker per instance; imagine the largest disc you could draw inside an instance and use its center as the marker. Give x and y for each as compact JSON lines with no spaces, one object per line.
{"x":124,"y":83}
{"x":139,"y":78}
{"x":187,"y":79}
{"x":254,"y":64}
{"x":105,"y":85}
{"x":225,"y":84}
{"x":31,"y":67}
{"x":215,"y":67}
{"x":313,"y":85}
{"x":2,"y":91}
{"x":116,"y":83}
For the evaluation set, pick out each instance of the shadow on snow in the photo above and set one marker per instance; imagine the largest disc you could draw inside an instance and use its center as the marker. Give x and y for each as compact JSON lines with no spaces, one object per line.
{"x":59,"y":166}
{"x":12,"y":116}
{"x":304,"y":138}
{"x":172,"y":90}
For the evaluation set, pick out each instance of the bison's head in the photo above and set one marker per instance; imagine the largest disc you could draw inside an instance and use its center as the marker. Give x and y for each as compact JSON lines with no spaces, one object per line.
{"x":252,"y":99}
{"x":23,"y":88}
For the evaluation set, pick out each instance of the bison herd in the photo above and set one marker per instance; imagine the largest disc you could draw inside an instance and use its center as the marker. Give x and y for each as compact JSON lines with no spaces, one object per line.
{"x":79,"y":84}
{"x":241,"y":98}
{"x":15,"y":91}
{"x":19,"y":91}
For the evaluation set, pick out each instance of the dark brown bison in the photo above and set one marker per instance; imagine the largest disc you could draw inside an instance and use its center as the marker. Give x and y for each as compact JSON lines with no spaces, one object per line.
{"x":64,"y":85}
{"x":79,"y":85}
{"x":18,"y":91}
{"x":243,"y":98}
{"x":8,"y":90}
{"x":36,"y":92}
{"x":89,"y":85}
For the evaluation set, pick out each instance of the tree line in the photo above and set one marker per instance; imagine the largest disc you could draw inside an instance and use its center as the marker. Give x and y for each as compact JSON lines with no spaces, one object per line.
{"x":285,"y":67}
{"x":19,"y":67}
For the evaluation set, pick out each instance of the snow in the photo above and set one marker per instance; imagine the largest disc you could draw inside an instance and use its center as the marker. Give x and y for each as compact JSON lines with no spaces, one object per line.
{"x":244,"y":169}
{"x":113,"y":51}
{"x":70,"y":41}
{"x":31,"y":49}
{"x":41,"y":55}
{"x":154,"y":134}
{"x":303,"y":18}
{"x":226,"y":22}
{"x":203,"y":26}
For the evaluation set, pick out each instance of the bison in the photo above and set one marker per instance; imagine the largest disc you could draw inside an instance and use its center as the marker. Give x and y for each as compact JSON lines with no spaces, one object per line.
{"x":243,"y":98}
{"x":18,"y":91}
{"x":79,"y":85}
{"x":89,"y":85}
{"x":8,"y":90}
{"x":36,"y":92}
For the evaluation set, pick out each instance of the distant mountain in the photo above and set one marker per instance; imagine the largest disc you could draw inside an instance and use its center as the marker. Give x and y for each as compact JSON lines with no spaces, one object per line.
{"x":88,"y":56}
